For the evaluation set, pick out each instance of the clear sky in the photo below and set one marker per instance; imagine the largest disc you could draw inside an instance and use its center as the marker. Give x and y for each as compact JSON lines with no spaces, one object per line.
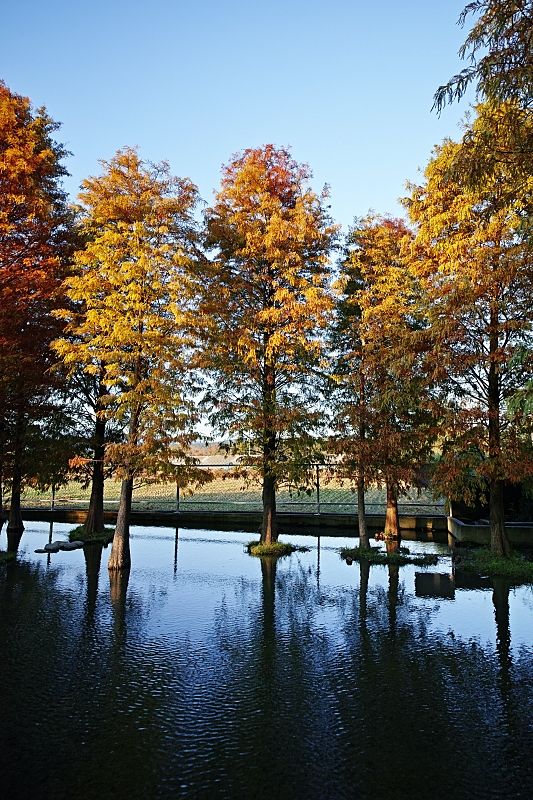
{"x":348,"y":84}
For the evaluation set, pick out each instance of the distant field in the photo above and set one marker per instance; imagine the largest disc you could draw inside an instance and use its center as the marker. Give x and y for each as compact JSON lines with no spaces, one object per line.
{"x":234,"y":494}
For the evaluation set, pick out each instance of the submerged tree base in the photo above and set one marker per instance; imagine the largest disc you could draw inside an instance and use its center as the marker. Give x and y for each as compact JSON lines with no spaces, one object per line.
{"x":376,"y":556}
{"x":95,"y":537}
{"x":274,"y":549}
{"x":516,"y":567}
{"x":5,"y":557}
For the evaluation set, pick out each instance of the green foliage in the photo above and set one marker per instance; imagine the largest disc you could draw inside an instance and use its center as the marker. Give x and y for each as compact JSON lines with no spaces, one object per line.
{"x":5,"y":558}
{"x":498,"y":48}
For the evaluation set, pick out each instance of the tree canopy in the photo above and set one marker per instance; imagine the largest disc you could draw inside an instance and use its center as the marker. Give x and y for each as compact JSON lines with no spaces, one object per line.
{"x":130,"y":296}
{"x":264,"y":304}
{"x":36,"y":243}
{"x":476,"y":272}
{"x":500,"y":50}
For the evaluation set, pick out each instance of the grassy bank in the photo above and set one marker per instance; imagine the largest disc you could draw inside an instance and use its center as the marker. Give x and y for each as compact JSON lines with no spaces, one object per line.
{"x":515,"y":567}
{"x":6,"y":557}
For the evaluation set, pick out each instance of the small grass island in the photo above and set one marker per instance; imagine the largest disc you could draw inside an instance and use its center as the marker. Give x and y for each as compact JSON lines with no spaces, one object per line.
{"x":273,"y":549}
{"x":95,"y":537}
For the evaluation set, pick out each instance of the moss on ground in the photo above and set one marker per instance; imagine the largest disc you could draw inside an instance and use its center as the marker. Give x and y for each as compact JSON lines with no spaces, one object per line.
{"x":100,"y":537}
{"x":515,"y":567}
{"x":274,"y":549}
{"x":6,"y":557}
{"x":376,"y":556}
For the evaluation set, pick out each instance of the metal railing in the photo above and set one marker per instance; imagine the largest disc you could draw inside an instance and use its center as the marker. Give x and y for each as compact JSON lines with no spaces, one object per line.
{"x":233,"y":488}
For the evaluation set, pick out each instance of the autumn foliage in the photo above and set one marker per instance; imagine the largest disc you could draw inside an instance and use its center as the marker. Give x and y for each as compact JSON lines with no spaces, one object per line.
{"x":264,"y":304}
{"x":476,"y":271}
{"x":385,"y":419}
{"x":125,"y":323}
{"x":36,"y":242}
{"x":410,"y":361}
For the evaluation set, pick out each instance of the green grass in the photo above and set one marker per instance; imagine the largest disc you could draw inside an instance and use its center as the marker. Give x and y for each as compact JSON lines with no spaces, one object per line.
{"x":6,"y":557}
{"x":376,"y":556}
{"x":481,"y":561}
{"x":274,"y":549}
{"x":102,"y":537}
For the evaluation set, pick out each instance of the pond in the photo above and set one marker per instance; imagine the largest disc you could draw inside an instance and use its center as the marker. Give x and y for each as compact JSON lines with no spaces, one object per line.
{"x":213,"y":674}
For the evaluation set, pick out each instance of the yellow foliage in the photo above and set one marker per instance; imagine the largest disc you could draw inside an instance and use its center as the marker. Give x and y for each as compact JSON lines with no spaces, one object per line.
{"x":265,"y":298}
{"x":127,"y":299}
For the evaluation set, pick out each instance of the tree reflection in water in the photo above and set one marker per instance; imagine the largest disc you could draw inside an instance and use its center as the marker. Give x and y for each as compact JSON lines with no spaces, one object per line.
{"x":293,"y":686}
{"x":93,"y":560}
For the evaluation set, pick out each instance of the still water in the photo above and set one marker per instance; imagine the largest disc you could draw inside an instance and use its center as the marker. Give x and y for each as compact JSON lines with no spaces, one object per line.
{"x":213,"y":674}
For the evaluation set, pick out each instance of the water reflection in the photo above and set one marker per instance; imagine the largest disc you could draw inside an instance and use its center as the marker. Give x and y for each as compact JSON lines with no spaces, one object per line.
{"x":226,"y":676}
{"x":14,"y":535}
{"x":435,"y":585}
{"x":364,"y":567}
{"x":118,"y":587}
{"x":394,"y":582}
{"x":93,"y":560}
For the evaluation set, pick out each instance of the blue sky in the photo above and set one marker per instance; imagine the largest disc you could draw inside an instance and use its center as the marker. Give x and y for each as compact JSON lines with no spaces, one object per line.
{"x":348,"y":84}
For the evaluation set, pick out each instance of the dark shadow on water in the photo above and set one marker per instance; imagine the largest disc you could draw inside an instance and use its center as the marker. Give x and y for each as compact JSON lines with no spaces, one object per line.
{"x":392,"y":595}
{"x":364,"y":572}
{"x":93,"y":560}
{"x":435,"y":585}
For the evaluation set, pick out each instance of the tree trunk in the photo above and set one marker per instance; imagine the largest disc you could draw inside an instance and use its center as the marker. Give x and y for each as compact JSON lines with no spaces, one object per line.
{"x":15,"y":513}
{"x":392,"y":521}
{"x":269,"y":527}
{"x":3,"y":517}
{"x":120,"y":550}
{"x":1,"y":493}
{"x":499,"y":543}
{"x":120,"y":557}
{"x":14,"y":535}
{"x":364,"y":541}
{"x":94,"y":522}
